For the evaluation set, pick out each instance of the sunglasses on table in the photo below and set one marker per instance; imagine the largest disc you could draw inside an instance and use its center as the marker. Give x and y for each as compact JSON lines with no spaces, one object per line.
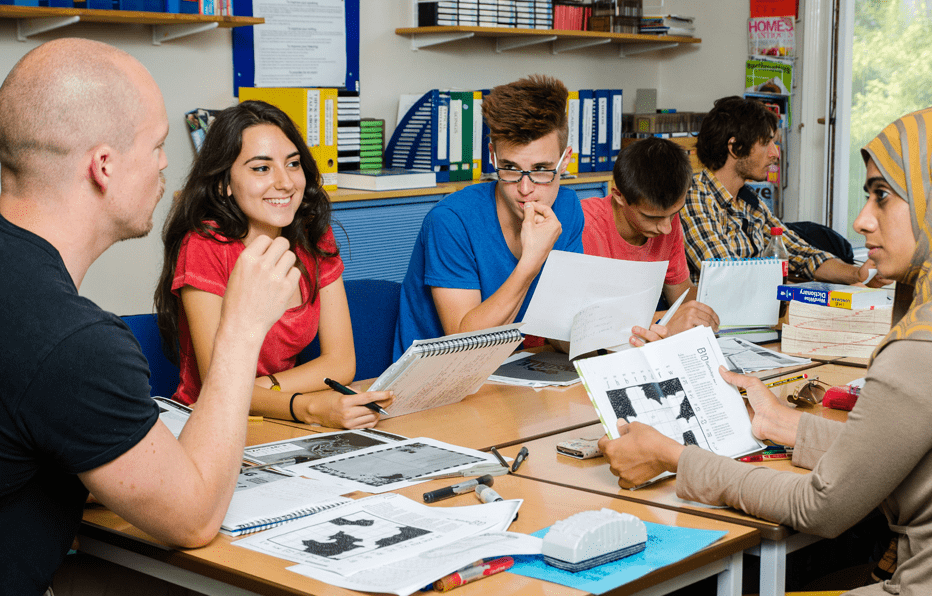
{"x":809,"y":393}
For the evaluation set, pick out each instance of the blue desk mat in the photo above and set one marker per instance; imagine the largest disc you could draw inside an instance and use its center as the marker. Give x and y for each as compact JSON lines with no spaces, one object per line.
{"x":665,"y":545}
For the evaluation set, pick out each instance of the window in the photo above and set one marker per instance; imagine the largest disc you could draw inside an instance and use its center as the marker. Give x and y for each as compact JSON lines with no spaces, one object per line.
{"x":891,"y":75}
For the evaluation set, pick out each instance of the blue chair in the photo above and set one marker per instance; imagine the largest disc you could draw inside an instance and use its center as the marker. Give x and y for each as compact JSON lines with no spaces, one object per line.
{"x":373,"y":306}
{"x":163,"y":375}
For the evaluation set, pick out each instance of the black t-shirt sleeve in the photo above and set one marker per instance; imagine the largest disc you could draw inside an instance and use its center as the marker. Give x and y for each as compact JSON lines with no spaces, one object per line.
{"x":89,"y":402}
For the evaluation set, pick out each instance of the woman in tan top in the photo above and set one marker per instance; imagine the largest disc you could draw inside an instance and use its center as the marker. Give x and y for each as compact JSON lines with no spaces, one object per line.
{"x":883,"y":455}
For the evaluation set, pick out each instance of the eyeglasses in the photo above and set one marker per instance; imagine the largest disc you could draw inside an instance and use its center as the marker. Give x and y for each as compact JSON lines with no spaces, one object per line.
{"x":511,"y":175}
{"x":809,"y":393}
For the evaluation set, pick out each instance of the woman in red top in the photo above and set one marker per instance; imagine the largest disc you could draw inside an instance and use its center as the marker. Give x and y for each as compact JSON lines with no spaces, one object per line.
{"x":255,"y":176}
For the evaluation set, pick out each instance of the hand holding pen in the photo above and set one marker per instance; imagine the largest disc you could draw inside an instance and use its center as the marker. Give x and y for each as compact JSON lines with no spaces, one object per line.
{"x":343,"y":389}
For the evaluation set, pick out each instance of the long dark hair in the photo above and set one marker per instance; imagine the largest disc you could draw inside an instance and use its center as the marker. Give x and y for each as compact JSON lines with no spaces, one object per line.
{"x":204,"y":207}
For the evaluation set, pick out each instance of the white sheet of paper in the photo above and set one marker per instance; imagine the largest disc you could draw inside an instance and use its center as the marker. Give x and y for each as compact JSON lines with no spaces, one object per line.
{"x":410,"y":575}
{"x":608,"y":323}
{"x":377,"y":531}
{"x":571,"y":282}
{"x":301,"y":44}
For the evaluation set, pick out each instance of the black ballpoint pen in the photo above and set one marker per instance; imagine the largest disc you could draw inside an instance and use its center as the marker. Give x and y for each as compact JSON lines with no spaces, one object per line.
{"x":339,"y":388}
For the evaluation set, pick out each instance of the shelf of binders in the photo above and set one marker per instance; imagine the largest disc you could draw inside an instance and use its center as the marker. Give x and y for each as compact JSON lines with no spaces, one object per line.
{"x":507,"y":38}
{"x":33,"y":20}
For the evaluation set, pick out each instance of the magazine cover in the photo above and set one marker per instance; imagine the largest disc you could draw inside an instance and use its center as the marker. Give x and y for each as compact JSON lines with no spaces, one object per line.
{"x":772,"y":36}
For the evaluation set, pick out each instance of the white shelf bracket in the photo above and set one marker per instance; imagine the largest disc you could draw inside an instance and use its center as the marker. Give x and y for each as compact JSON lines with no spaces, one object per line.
{"x":631,"y":50}
{"x":503,"y":44}
{"x":568,"y":45}
{"x":425,"y":40}
{"x":162,"y":33}
{"x":26,"y":28}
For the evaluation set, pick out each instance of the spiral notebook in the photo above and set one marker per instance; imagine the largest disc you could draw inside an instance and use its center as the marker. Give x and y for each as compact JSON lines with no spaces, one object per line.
{"x":275,"y":503}
{"x":442,"y":371}
{"x":742,"y":292}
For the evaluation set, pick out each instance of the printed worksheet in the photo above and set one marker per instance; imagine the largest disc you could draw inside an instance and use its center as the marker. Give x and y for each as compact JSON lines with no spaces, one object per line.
{"x":410,"y":575}
{"x":392,"y":466}
{"x":673,"y":385}
{"x":377,"y":531}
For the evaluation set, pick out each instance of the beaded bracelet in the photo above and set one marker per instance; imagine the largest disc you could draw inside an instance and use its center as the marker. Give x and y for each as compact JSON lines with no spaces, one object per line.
{"x":291,"y":407}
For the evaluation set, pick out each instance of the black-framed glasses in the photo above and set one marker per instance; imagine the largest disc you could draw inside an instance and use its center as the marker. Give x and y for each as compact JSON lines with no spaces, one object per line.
{"x":809,"y":393}
{"x":513,"y":176}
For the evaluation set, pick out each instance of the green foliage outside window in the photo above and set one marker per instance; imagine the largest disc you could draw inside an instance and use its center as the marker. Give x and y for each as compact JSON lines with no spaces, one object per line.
{"x":891,"y":76}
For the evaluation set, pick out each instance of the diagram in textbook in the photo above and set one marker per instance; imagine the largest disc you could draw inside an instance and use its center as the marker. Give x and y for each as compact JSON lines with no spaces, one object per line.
{"x":661,"y":404}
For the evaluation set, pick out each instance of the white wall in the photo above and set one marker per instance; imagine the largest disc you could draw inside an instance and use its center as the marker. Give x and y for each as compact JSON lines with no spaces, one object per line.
{"x":196,"y":72}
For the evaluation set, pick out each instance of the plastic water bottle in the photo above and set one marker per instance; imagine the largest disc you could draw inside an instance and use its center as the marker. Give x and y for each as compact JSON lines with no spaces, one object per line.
{"x":777,"y":249}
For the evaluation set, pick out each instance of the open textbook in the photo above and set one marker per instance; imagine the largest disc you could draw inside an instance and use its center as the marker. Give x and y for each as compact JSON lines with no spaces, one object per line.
{"x":593,"y":302}
{"x":673,"y":385}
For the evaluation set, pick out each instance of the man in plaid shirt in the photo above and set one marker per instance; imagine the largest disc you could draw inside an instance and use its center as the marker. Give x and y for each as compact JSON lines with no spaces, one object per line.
{"x":723,"y":217}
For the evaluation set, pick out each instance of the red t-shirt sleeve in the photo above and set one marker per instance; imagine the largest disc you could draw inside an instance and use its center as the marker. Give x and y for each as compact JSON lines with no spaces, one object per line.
{"x":331,"y":268}
{"x":205,"y":264}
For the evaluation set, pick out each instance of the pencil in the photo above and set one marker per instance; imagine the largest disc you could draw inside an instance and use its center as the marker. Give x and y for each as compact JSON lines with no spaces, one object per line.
{"x":782,"y":382}
{"x":789,"y":380}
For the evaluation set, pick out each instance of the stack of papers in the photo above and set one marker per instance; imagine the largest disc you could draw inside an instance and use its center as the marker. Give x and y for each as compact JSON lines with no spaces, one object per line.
{"x":745,"y":357}
{"x":388,"y":543}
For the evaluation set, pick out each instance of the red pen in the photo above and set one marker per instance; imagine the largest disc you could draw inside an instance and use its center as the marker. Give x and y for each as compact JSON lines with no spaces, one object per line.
{"x":766,"y":456}
{"x":472,"y":573}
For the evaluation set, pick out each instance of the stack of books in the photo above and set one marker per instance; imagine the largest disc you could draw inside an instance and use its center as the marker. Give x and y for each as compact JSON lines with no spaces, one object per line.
{"x":519,"y":14}
{"x":835,"y":320}
{"x":371,"y":143}
{"x":679,"y":26}
{"x":571,"y":17}
{"x":348,"y":130}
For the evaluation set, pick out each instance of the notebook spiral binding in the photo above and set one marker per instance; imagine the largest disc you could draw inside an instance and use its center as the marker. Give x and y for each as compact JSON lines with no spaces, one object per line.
{"x":273,"y":522}
{"x":726,"y":262}
{"x":450,"y":346}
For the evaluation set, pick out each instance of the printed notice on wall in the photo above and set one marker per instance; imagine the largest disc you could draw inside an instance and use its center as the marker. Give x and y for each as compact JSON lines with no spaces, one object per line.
{"x":301,"y":44}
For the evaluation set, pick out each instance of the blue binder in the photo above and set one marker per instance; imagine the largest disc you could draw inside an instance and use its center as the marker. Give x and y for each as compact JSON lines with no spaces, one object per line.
{"x":602,"y":130}
{"x":586,"y":130}
{"x":617,"y":126}
{"x":487,"y":167}
{"x":421,"y":140}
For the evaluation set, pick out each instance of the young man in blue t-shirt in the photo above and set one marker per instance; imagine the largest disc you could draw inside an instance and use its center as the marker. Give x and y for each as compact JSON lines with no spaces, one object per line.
{"x":480,"y":251}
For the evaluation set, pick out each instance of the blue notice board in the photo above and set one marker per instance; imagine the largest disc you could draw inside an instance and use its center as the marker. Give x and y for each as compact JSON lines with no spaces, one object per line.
{"x":244,"y":64}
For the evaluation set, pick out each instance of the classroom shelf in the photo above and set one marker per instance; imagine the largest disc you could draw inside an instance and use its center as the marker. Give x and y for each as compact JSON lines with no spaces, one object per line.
{"x":33,"y":20}
{"x":561,"y":41}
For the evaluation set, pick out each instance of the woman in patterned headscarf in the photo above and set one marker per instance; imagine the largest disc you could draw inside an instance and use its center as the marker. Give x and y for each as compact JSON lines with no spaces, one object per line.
{"x":883,"y":455}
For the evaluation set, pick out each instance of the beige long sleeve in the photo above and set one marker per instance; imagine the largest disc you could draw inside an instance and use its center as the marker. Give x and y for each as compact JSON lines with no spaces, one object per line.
{"x":883,"y":450}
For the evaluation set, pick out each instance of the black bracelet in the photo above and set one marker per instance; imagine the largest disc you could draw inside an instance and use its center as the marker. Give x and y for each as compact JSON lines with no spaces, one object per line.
{"x":291,"y":407}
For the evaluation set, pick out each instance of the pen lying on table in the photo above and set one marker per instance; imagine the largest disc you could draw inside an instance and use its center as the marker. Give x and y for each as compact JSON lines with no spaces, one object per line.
{"x":340,"y":388}
{"x":288,"y":461}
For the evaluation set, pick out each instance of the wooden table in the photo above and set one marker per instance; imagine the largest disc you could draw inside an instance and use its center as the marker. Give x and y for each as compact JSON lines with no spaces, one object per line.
{"x":495,"y":416}
{"x":225,"y":569}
